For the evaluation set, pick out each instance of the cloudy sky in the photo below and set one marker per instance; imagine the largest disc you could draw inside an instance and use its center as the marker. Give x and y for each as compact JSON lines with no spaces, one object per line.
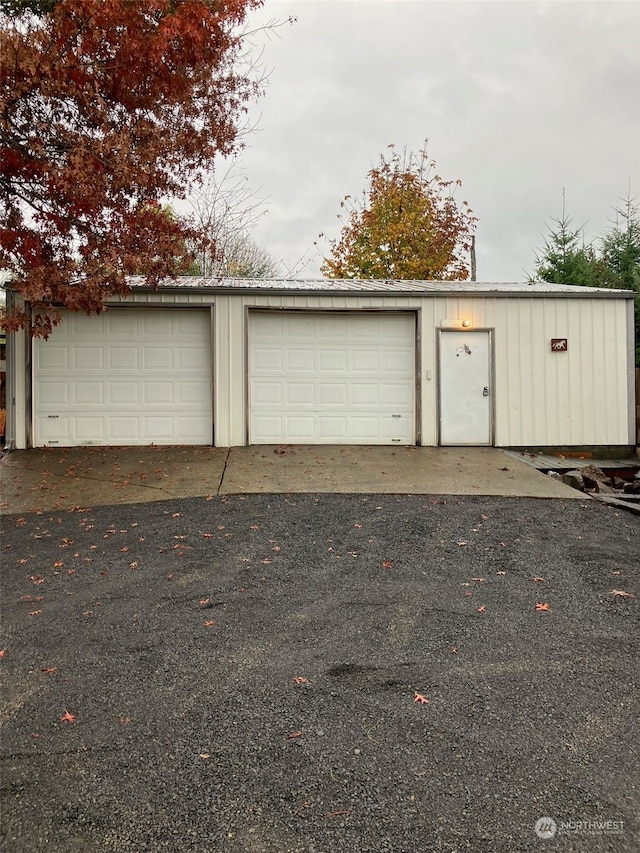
{"x":518,"y":99}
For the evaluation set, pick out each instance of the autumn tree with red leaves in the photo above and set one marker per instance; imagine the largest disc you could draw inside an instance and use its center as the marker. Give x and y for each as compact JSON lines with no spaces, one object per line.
{"x":107,"y":107}
{"x":408,"y":225}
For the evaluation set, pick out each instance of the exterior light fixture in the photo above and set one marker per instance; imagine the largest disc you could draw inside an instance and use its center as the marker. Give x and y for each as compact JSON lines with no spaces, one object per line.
{"x":466,"y":324}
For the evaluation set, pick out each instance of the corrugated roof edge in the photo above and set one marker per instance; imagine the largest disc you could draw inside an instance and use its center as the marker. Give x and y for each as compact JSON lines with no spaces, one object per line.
{"x":469,"y":288}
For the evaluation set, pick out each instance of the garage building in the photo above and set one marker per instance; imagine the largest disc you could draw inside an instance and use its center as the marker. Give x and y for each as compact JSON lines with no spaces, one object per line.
{"x":235,"y":362}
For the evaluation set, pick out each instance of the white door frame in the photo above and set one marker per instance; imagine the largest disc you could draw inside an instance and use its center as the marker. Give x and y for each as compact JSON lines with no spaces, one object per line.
{"x":491,"y":386}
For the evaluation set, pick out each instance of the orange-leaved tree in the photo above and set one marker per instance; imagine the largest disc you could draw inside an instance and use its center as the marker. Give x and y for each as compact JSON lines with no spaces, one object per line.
{"x":107,"y":107}
{"x":408,"y":225}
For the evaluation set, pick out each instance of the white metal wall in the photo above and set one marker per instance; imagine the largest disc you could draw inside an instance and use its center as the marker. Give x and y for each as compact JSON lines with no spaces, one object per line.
{"x":541,"y":397}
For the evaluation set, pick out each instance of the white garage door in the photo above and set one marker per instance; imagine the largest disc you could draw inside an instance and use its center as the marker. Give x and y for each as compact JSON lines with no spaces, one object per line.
{"x":124,"y":377}
{"x":332,"y":378}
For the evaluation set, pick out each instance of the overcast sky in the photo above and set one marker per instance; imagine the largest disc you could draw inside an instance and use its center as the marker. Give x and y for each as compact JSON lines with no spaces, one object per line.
{"x":518,"y":99}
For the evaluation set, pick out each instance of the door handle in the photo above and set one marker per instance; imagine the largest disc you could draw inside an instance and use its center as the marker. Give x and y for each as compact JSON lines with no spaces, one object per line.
{"x":485,"y":391}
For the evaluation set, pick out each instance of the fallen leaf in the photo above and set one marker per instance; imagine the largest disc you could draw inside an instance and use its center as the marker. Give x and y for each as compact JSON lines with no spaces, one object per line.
{"x":68,"y":718}
{"x":49,"y":669}
{"x":501,"y":573}
{"x":124,"y":721}
{"x":621,"y":594}
{"x":2,"y":652}
{"x":35,"y":613}
{"x":294,"y":735}
{"x":387,"y":564}
{"x":204,"y":755}
{"x":340,"y":811}
{"x":460,"y":544}
{"x":539,"y":580}
{"x":482,"y":609}
{"x":300,"y":679}
{"x":453,"y":650}
{"x":418,"y":697}
{"x":543,"y":606}
{"x":209,"y":623}
{"x":479,"y":580}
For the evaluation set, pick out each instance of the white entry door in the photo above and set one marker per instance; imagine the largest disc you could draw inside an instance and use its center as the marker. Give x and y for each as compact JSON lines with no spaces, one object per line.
{"x":331,"y":378}
{"x":128,"y":376}
{"x":465,"y":387}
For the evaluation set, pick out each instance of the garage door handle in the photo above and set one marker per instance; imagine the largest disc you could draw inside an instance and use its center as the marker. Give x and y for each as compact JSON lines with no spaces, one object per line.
{"x":485,"y":391}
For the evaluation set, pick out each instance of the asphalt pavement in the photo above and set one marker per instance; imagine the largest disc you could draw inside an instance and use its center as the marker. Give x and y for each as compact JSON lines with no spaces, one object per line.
{"x":321,"y":673}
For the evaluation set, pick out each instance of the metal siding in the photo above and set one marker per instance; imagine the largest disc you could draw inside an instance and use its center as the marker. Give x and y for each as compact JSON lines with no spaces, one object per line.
{"x":541,"y":398}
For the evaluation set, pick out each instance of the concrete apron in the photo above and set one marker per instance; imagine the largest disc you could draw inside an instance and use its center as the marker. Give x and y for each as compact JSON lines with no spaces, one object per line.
{"x":74,"y":478}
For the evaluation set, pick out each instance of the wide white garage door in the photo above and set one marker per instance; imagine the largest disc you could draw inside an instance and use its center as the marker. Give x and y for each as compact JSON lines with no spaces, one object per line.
{"x":331,"y":378}
{"x":124,"y":377}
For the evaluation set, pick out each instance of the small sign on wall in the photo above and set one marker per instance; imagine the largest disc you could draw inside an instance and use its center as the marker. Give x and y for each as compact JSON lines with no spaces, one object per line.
{"x":559,"y":344}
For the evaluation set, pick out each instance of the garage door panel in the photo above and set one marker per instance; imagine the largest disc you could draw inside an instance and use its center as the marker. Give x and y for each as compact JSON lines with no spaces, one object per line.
{"x":123,"y":393}
{"x":365,"y":361}
{"x":123,"y":358}
{"x":122,"y":323}
{"x":88,"y":428}
{"x":88,"y":393}
{"x":54,"y":428}
{"x":333,"y":394}
{"x":298,"y":359}
{"x":52,"y":393}
{"x":52,"y":359}
{"x":360,"y":371}
{"x":299,"y":393}
{"x":132,"y":378}
{"x":88,"y":358}
{"x":157,"y":358}
{"x":124,"y":430}
{"x":332,"y":360}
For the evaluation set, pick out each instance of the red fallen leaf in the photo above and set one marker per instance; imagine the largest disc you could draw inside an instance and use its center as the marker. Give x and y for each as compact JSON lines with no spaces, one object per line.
{"x":543,"y":606}
{"x":482,"y":609}
{"x":453,"y":650}
{"x":418,"y":697}
{"x":207,"y":535}
{"x":38,"y":579}
{"x":35,"y":735}
{"x":620,"y":594}
{"x":67,"y":717}
{"x":49,"y":669}
{"x":104,"y":572}
{"x":22,"y":562}
{"x":387,"y":564}
{"x":300,"y":679}
{"x":204,"y":602}
{"x":209,"y":623}
{"x":124,"y":550}
{"x":25,"y":598}
{"x":294,"y":735}
{"x":2,"y":652}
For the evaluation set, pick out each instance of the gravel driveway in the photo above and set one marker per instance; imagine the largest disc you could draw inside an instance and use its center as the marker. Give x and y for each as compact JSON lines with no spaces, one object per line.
{"x":322,"y":673}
